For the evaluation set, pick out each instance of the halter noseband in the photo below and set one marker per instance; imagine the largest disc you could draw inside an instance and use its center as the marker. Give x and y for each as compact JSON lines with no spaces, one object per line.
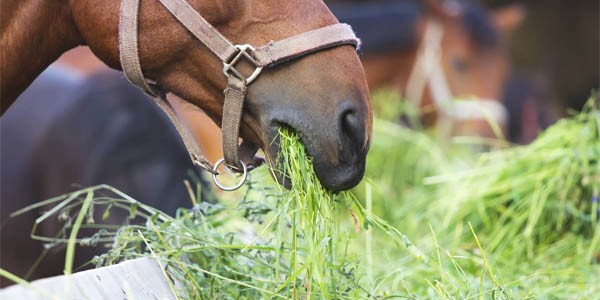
{"x":272,"y":54}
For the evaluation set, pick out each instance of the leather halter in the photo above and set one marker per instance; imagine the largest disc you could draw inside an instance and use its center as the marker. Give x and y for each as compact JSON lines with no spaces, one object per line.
{"x":428,"y":72}
{"x":269,"y":55}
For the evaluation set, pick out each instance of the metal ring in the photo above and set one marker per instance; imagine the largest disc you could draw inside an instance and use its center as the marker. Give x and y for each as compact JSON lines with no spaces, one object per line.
{"x":245,"y":51}
{"x":231,"y":188}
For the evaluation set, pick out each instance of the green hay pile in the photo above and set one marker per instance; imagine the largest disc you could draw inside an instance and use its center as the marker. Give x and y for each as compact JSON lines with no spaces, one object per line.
{"x":274,"y":243}
{"x":536,"y":208}
{"x":518,"y":223}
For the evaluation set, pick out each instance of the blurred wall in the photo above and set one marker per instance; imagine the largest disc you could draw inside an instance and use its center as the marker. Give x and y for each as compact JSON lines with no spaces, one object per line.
{"x":558,"y":46}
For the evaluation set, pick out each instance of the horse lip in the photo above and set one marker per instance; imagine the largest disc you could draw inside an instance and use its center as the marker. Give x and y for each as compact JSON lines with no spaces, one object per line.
{"x":255,"y":162}
{"x":341,"y":178}
{"x":247,"y":153}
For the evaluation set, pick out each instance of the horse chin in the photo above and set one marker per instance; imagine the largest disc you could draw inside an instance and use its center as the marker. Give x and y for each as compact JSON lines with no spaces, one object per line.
{"x":341,"y":177}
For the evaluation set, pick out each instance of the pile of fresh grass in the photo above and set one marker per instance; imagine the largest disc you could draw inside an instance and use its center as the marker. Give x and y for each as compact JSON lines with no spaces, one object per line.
{"x":536,"y":208}
{"x":518,"y":223}
{"x":541,"y":192}
{"x":274,"y":243}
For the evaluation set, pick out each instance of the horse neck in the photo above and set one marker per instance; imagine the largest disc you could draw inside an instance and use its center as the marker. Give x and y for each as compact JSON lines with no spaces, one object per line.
{"x":34,"y":34}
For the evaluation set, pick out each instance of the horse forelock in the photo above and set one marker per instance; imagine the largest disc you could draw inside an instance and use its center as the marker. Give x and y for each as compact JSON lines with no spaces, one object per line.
{"x":479,"y":25}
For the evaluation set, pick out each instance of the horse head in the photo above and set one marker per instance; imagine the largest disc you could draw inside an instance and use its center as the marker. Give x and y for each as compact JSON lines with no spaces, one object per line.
{"x":322,"y":96}
{"x":473,"y":56}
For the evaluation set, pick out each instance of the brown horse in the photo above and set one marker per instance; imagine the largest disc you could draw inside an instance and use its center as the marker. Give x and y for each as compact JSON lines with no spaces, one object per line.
{"x":322,"y":96}
{"x":433,"y":53}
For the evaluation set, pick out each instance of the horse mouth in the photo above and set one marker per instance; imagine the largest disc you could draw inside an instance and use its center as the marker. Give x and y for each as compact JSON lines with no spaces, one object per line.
{"x":344,"y":175}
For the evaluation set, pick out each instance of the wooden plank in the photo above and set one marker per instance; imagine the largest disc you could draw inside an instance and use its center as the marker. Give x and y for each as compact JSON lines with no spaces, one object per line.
{"x":141,"y":278}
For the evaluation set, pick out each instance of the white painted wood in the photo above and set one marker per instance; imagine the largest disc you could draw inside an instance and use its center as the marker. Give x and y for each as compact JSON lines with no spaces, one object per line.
{"x":138,"y":279}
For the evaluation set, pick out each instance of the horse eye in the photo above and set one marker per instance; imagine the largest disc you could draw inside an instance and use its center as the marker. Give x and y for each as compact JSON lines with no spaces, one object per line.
{"x":460,"y":65}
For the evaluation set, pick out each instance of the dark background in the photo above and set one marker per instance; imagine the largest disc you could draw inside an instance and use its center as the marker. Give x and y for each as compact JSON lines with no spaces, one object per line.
{"x":558,"y":47}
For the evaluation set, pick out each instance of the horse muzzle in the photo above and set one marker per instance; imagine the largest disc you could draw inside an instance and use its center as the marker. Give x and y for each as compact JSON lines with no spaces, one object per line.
{"x":337,"y":144}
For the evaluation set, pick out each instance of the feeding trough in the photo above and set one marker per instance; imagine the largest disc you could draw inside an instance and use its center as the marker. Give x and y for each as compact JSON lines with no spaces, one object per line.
{"x":141,"y":278}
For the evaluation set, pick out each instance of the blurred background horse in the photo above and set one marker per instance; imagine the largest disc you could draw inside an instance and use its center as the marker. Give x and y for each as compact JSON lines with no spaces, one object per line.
{"x":544,"y":75}
{"x":434,"y":53}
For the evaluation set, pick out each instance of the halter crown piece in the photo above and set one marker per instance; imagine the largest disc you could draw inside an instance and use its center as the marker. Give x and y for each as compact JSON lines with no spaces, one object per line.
{"x":266,"y":56}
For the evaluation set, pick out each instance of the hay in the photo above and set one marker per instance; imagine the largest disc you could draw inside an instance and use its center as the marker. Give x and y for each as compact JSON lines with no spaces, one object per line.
{"x":274,"y":243}
{"x":510,"y":224}
{"x":518,"y":223}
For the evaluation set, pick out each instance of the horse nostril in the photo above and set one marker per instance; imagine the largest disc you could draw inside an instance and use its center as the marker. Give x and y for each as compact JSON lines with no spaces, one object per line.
{"x":351,"y":125}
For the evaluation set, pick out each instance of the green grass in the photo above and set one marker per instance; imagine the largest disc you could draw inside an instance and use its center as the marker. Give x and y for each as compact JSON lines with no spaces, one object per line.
{"x":274,"y":243}
{"x":429,"y":222}
{"x":532,"y":209}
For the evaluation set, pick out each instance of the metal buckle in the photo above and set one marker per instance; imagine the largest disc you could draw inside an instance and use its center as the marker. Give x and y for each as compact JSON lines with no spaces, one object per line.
{"x":229,"y":188}
{"x":242,"y":52}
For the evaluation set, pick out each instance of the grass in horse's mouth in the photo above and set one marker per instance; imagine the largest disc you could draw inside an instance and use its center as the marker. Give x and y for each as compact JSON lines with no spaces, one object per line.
{"x":297,"y":248}
{"x":289,"y":144}
{"x":290,"y":244}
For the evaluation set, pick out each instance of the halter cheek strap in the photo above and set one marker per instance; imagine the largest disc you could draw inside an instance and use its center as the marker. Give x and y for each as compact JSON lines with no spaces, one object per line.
{"x":130,"y":63}
{"x":428,"y":72}
{"x":266,"y":56}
